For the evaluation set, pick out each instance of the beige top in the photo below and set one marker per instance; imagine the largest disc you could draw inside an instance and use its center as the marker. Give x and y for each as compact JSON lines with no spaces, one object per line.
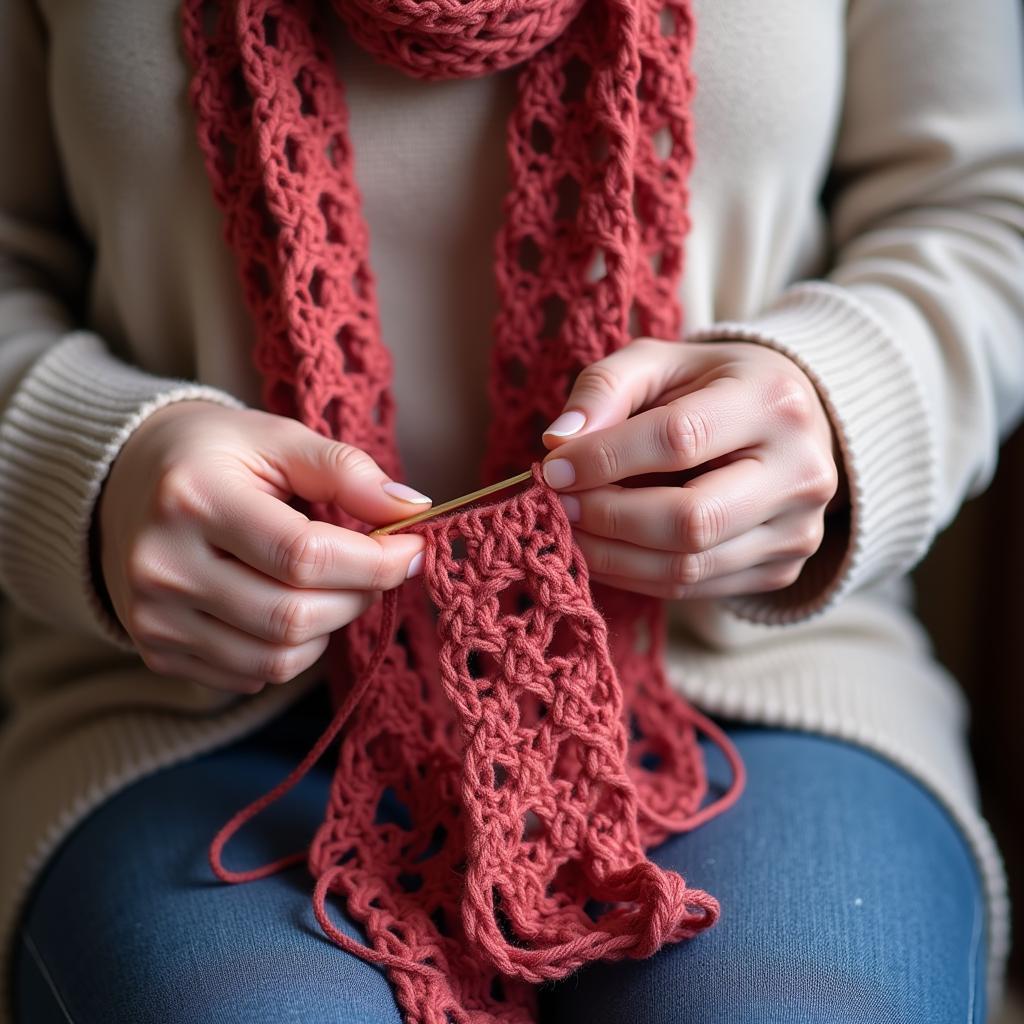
{"x":902,"y":297}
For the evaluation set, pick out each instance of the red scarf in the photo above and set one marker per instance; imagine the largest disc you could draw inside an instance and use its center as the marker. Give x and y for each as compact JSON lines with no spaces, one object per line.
{"x":504,"y":768}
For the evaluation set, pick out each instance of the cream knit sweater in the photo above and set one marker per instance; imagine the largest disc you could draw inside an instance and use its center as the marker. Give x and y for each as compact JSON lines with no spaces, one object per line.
{"x":901,"y":293}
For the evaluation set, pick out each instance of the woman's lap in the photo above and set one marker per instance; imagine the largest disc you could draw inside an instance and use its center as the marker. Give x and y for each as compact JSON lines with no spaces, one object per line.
{"x":847,"y":895}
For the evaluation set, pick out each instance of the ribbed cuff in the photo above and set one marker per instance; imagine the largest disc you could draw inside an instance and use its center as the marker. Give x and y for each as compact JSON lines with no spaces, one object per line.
{"x":60,"y":433}
{"x":878,"y":409}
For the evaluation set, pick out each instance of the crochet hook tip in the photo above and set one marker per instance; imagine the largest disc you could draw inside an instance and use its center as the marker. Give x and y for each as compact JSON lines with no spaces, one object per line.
{"x":454,"y":503}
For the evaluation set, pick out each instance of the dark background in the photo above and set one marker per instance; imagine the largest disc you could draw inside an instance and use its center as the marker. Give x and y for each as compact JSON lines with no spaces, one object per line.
{"x":971,"y":597}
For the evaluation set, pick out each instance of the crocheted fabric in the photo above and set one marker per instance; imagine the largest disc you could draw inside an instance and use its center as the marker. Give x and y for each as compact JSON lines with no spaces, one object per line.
{"x":512,"y":745}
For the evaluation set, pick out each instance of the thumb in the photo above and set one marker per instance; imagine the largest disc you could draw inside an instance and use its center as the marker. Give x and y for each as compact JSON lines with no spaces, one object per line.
{"x":318,"y":468}
{"x":612,"y":389}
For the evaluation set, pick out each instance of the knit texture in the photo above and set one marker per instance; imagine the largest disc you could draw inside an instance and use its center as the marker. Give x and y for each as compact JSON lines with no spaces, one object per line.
{"x":504,"y":768}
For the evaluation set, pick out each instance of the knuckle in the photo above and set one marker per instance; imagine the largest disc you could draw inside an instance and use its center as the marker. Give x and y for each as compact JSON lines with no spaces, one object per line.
{"x":604,"y":517}
{"x":821,"y":480}
{"x":688,"y":433}
{"x":703,"y":523}
{"x":177,"y":494}
{"x":600,"y":560}
{"x":605,"y":460}
{"x":302,"y":556}
{"x":279,"y":666}
{"x":148,"y":574}
{"x":291,"y":620}
{"x":251,"y":686}
{"x":784,"y":574}
{"x":156,"y":661}
{"x":144,"y":626}
{"x":597,"y":381}
{"x":690,"y":569}
{"x":809,"y":538}
{"x":385,"y":572}
{"x":789,"y":401}
{"x":141,"y":570}
{"x":681,"y":521}
{"x":343,"y":459}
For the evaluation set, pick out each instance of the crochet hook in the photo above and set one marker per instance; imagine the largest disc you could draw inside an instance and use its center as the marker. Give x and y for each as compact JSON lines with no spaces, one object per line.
{"x":448,"y":506}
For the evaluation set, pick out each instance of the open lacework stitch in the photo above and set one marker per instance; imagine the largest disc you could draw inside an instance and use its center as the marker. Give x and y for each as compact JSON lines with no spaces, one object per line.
{"x":504,"y":842}
{"x":511,"y":746}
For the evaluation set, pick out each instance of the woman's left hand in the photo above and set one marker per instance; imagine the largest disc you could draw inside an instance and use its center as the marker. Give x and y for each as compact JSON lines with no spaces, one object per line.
{"x":758,"y":463}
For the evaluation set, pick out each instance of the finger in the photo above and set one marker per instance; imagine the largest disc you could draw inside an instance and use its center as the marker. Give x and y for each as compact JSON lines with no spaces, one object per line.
{"x":713,"y":421}
{"x":769,"y":576}
{"x":187,"y":666}
{"x":185,"y":630}
{"x":793,"y":537}
{"x":320,"y":469}
{"x":608,"y":557}
{"x":278,"y":540}
{"x":612,"y":389}
{"x":242,"y":597}
{"x":712,"y":508}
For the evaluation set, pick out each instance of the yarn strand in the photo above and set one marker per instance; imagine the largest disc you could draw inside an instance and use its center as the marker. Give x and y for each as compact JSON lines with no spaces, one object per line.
{"x":302,"y":769}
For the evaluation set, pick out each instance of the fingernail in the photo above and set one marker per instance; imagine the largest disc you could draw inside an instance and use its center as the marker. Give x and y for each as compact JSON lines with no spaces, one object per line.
{"x":571,"y":504}
{"x":415,"y":566}
{"x":559,"y":473}
{"x":403,"y":493}
{"x":566,"y":424}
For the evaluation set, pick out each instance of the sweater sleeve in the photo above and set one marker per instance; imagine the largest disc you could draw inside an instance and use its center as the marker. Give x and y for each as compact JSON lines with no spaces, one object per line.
{"x":914,"y":337}
{"x":67,"y":404}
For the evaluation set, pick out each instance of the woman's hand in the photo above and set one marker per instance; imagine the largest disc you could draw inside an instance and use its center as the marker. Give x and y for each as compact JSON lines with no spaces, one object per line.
{"x":214,"y":576}
{"x":758,"y":465}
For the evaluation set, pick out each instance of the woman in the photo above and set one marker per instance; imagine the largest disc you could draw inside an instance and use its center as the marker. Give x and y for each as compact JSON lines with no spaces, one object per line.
{"x":854,"y":304}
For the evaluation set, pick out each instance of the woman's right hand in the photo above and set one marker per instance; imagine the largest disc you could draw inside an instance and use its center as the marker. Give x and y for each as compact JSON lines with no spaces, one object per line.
{"x":214,"y":576}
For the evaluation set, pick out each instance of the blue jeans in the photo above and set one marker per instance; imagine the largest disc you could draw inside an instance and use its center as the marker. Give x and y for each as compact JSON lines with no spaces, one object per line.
{"x":847,"y":895}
